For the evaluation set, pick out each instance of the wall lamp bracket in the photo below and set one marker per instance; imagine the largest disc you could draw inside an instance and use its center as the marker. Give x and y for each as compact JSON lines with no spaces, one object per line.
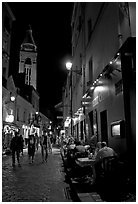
{"x":77,"y":71}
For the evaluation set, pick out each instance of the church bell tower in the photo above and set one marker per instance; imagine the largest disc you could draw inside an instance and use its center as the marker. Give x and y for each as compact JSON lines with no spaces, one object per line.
{"x":28,"y":59}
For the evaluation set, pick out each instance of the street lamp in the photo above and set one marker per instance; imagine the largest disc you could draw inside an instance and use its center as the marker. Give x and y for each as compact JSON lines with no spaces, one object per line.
{"x":69,"y":68}
{"x":12,"y":98}
{"x":9,"y":108}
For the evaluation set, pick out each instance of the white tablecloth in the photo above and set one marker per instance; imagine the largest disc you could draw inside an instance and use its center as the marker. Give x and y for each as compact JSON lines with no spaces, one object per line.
{"x":85,"y":162}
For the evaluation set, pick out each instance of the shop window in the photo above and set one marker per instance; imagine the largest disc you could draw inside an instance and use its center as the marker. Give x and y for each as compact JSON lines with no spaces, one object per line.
{"x":104,"y":126}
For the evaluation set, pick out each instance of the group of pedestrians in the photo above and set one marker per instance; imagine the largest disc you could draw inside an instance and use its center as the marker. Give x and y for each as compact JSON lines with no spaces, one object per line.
{"x":17,"y":144}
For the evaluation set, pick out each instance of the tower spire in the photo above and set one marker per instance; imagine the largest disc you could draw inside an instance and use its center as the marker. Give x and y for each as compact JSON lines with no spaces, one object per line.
{"x":28,"y":59}
{"x":28,"y":42}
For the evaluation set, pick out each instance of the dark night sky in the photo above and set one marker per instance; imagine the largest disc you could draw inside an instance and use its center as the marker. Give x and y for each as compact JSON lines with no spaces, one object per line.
{"x":51,"y":29}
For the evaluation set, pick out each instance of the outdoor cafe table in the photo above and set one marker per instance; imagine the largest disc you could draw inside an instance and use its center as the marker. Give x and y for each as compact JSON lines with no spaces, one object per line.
{"x":84,"y":162}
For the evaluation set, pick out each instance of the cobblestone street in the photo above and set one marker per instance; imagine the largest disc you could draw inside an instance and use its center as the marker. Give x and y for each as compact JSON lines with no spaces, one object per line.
{"x":37,"y":182}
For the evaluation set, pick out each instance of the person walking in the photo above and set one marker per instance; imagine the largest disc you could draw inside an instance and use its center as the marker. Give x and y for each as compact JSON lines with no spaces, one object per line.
{"x":15,"y":146}
{"x":43,"y":143}
{"x":37,"y":141}
{"x":49,"y":143}
{"x":22,"y":144}
{"x":31,"y":148}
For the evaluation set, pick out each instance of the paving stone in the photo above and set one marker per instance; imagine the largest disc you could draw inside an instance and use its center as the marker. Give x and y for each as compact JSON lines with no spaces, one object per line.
{"x":35,"y":182}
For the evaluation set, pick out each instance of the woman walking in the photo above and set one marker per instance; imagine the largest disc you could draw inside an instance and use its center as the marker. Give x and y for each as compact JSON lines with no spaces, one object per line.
{"x":43,"y":143}
{"x":49,"y":143}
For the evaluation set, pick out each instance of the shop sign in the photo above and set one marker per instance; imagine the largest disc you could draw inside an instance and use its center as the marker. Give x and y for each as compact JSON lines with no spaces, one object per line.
{"x":95,"y":101}
{"x":98,"y":99}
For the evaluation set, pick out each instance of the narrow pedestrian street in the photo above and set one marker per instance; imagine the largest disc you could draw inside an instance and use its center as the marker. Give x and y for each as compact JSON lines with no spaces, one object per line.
{"x":72,"y":92}
{"x":37,"y":182}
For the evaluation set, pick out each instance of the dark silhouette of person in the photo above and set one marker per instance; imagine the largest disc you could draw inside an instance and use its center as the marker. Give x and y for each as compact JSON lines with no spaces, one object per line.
{"x":37,"y":140}
{"x":22,"y":144}
{"x":31,"y":148}
{"x":44,"y":146}
{"x":15,"y":147}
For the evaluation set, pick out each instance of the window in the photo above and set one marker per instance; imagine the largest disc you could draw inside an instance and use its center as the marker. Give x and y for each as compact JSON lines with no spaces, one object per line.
{"x":91,"y":122}
{"x":90,"y":70}
{"x":89,"y":28}
{"x":28,"y":61}
{"x":24,"y":116}
{"x":17,"y":114}
{"x":27,"y":74}
{"x":28,"y":71}
{"x":118,"y":129}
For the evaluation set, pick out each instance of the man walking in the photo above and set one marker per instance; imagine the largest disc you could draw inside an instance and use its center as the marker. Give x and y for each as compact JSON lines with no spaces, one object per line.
{"x":15,"y":147}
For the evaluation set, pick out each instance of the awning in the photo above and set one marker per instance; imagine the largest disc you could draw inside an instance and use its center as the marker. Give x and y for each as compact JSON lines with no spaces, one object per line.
{"x":11,"y":124}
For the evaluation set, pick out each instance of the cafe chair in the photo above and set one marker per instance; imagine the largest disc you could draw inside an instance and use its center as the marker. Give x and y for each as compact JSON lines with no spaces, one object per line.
{"x":106,"y":168}
{"x":109,"y":165}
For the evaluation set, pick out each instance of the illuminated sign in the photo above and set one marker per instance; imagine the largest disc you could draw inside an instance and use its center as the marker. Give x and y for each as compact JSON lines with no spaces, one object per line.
{"x":116,"y":130}
{"x":9,"y":118}
{"x":95,"y":101}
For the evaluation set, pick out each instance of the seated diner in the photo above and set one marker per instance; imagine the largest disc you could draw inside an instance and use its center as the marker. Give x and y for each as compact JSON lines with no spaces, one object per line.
{"x":104,"y":152}
{"x":101,"y":165}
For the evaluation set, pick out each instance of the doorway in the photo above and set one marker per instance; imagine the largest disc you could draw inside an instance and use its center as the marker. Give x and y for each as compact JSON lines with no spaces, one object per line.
{"x":104,"y":129}
{"x":81,"y":129}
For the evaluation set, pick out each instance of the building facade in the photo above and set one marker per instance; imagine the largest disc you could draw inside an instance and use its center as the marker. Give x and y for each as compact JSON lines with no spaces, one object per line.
{"x":7,"y":103}
{"x":20,"y":99}
{"x":103,"y":48}
{"x":20,"y":115}
{"x":7,"y":20}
